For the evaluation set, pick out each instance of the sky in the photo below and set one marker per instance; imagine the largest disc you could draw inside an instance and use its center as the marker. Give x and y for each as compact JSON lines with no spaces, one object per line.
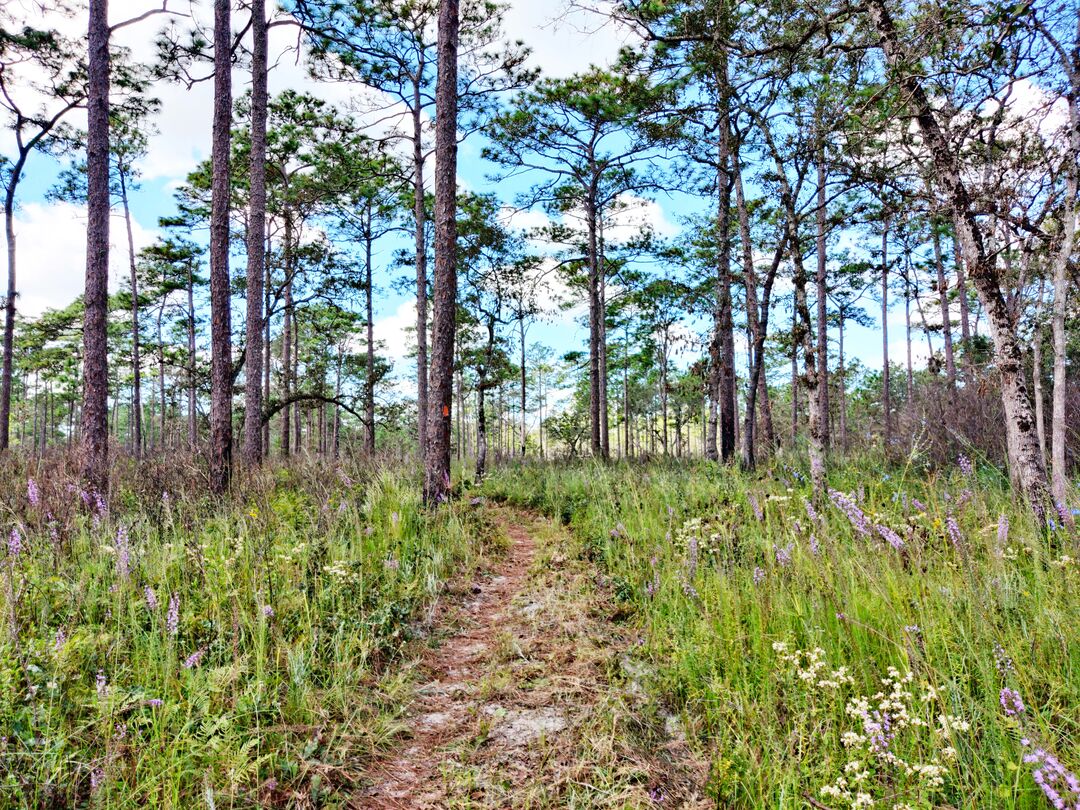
{"x":51,"y":235}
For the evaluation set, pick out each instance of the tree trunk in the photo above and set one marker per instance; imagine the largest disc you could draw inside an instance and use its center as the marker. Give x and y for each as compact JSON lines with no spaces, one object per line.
{"x":886,"y":401}
{"x":1060,"y":477}
{"x":1019,"y":419}
{"x":1036,"y":372}
{"x":369,"y":360}
{"x":95,"y":426}
{"x":193,"y":424}
{"x":943,"y":298}
{"x":136,"y":362}
{"x":821,"y":279}
{"x":419,"y":220}
{"x":725,"y":320}
{"x":437,"y":461}
{"x":594,"y":326}
{"x":286,"y":339}
{"x":256,"y":241}
{"x":843,"y":389}
{"x":521,"y":336}
{"x":220,"y":304}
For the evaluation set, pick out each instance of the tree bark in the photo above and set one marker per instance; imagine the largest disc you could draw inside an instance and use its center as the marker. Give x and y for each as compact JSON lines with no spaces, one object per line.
{"x":95,"y":413}
{"x":437,"y":461}
{"x":1036,"y":372}
{"x":943,"y":298}
{"x":886,"y":399}
{"x":369,"y":360}
{"x":256,"y":241}
{"x":821,"y":280}
{"x":286,"y":339}
{"x":419,"y":218}
{"x":220,"y":304}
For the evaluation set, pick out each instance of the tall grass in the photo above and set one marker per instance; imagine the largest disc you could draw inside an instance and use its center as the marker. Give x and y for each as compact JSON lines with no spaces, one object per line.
{"x":159,"y":648}
{"x":771,"y":626}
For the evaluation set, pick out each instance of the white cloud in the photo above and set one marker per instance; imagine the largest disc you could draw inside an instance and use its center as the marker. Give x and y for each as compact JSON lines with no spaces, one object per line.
{"x":564,"y":39}
{"x":397,"y":331}
{"x":51,"y":251}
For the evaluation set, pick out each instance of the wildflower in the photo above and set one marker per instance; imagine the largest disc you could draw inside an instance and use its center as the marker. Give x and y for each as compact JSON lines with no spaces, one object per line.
{"x":855,"y":515}
{"x":151,"y":598}
{"x":912,"y":629}
{"x":966,"y":467}
{"x":953,"y":528}
{"x":123,"y":552}
{"x":759,"y":575}
{"x":97,"y":777}
{"x":99,"y":504}
{"x":814,"y":547}
{"x":101,"y":683}
{"x":195,"y":658}
{"x":811,"y":512}
{"x":155,"y":703}
{"x":783,"y":555}
{"x":1002,"y":661}
{"x":267,"y":612}
{"x":15,"y":544}
{"x":32,"y":493}
{"x":172,"y":620}
{"x":165,"y":499}
{"x":395,"y":518}
{"x":391,"y":563}
{"x":476,"y":501}
{"x":890,"y":537}
{"x":919,"y":505}
{"x":1011,"y":702}
{"x":755,"y":506}
{"x":1060,"y":786}
{"x":60,"y":641}
{"x":1003,"y":531}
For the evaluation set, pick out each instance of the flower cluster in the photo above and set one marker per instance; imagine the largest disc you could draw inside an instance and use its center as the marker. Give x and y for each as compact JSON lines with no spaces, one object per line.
{"x":859,"y":522}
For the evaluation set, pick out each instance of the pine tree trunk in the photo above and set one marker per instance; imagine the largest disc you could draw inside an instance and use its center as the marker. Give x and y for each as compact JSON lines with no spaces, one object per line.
{"x":419,"y":223}
{"x":256,"y":241}
{"x":943,"y":298}
{"x":220,"y":304}
{"x":594,"y":325}
{"x":821,"y":279}
{"x":193,"y":423}
{"x":95,"y":411}
{"x":136,"y":361}
{"x":369,"y":360}
{"x":286,"y":339}
{"x":886,"y":399}
{"x":437,"y":460}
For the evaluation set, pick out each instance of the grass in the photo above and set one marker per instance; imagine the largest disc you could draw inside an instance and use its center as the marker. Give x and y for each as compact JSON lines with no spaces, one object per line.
{"x":770,"y":629}
{"x":268,"y":685}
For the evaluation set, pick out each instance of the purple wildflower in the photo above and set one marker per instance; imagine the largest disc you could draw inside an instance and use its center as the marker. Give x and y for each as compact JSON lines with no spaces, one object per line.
{"x":1059,"y":785}
{"x":1011,"y":703}
{"x":15,"y":544}
{"x":60,"y":641}
{"x":1003,"y":531}
{"x":814,"y":547}
{"x":759,"y":574}
{"x":755,"y":506}
{"x":966,"y":467}
{"x":783,"y":554}
{"x":890,"y":537}
{"x":855,"y":515}
{"x":267,"y":612}
{"x":391,"y":563}
{"x":955,"y":534}
{"x":1002,"y":661}
{"x":919,"y":505}
{"x":99,"y":504}
{"x":97,"y":777}
{"x":32,"y":493}
{"x":101,"y":684}
{"x":155,"y":703}
{"x":172,"y":620}
{"x":151,"y":598}
{"x":195,"y":658}
{"x":123,"y":552}
{"x":811,"y":512}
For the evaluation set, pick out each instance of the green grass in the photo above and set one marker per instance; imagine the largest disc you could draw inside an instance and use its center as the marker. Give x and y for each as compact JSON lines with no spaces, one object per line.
{"x":938,"y":609}
{"x":273,"y":686}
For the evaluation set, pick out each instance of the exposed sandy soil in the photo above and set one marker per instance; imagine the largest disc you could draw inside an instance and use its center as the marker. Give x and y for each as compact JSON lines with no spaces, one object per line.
{"x":527,"y":697}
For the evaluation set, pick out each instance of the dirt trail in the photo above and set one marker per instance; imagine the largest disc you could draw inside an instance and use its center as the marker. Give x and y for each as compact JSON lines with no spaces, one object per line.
{"x":526,"y":697}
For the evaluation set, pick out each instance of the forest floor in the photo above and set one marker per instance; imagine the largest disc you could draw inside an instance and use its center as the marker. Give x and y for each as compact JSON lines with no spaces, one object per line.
{"x":527,"y":695}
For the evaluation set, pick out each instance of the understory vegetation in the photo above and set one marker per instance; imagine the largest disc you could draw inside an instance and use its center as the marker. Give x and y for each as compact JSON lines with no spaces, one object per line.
{"x":909,"y":641}
{"x":164,"y":649}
